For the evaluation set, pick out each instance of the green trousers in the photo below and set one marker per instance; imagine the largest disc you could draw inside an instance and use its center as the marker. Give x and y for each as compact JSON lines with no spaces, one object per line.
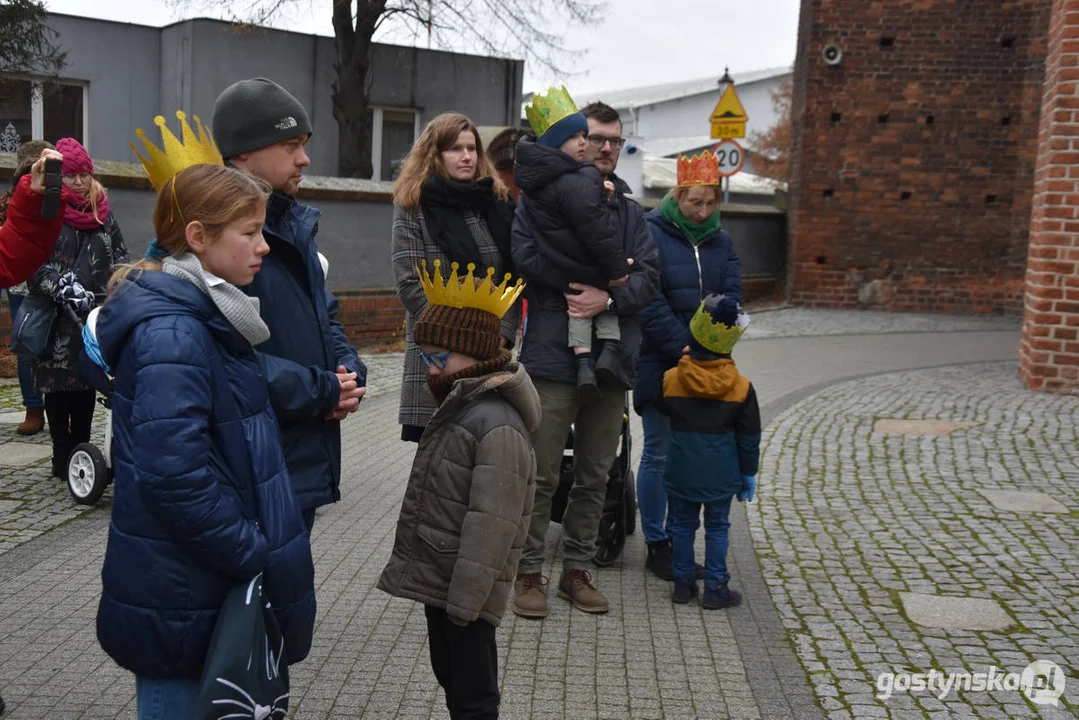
{"x":596,"y":431}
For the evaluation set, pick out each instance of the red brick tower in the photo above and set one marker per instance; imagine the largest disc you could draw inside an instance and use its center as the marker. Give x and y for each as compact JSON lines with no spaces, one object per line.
{"x":1049,"y":351}
{"x":914,"y":154}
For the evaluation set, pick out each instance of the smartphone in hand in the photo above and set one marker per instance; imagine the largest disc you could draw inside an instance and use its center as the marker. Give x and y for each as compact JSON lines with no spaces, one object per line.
{"x":54,"y":184}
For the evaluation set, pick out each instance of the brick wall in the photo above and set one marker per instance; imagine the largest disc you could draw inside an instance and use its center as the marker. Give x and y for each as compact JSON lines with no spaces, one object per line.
{"x":375,"y":315}
{"x":914,"y":157}
{"x":1049,"y":350}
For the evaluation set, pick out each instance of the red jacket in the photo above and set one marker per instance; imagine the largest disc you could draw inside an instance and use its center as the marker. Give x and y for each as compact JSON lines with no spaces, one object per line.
{"x":26,"y":241}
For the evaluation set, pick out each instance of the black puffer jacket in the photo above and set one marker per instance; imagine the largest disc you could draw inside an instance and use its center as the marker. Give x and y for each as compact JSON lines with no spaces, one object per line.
{"x":569,"y":210}
{"x":545,"y":353}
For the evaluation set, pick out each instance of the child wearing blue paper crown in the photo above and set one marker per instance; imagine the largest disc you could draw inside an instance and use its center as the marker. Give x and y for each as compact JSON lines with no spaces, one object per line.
{"x":714,"y":448}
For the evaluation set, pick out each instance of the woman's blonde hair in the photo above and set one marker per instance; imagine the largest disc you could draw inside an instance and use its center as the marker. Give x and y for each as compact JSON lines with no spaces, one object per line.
{"x":213,"y":195}
{"x":425,"y":159}
{"x":95,"y":196}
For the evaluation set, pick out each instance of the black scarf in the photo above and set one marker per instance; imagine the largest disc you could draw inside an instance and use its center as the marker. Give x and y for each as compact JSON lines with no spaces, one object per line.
{"x":443,"y":201}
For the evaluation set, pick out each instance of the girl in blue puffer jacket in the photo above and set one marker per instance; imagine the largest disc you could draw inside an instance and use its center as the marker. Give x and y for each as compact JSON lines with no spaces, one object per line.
{"x":202,"y":494}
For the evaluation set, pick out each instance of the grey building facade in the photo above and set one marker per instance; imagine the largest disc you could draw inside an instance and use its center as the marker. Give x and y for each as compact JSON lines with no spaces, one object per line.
{"x":119,"y":76}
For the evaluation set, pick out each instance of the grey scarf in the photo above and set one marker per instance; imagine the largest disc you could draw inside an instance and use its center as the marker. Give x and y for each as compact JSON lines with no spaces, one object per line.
{"x":239,"y":309}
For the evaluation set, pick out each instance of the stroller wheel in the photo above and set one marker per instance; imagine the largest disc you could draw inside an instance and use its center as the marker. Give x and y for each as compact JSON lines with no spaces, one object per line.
{"x":87,"y":474}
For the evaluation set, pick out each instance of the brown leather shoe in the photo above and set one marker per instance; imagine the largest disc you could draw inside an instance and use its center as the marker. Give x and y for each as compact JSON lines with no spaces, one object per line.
{"x":34,"y":422}
{"x":576,"y":586}
{"x":530,"y":596}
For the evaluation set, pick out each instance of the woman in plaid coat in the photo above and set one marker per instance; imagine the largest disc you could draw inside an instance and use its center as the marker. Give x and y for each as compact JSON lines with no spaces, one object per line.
{"x":448,"y":206}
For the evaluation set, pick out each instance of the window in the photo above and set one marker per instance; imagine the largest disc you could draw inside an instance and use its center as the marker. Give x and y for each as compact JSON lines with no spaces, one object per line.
{"x":392,"y":133}
{"x":30,"y":110}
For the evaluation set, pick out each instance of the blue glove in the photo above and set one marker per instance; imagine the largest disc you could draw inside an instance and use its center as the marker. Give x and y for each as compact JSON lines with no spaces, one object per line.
{"x":749,"y":488}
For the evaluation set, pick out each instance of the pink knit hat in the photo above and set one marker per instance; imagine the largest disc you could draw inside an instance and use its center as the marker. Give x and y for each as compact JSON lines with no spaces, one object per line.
{"x":76,"y":159}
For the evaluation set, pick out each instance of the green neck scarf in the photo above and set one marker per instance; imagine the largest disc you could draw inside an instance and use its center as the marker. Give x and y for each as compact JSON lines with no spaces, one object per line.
{"x":694,"y":231}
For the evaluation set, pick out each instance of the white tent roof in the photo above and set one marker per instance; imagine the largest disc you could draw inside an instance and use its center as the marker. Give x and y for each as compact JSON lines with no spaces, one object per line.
{"x":652,"y":94}
{"x":661,"y":173}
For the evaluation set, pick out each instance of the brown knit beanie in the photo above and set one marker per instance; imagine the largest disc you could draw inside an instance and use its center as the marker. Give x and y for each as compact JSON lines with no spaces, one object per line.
{"x":469,"y":331}
{"x":28,"y":154}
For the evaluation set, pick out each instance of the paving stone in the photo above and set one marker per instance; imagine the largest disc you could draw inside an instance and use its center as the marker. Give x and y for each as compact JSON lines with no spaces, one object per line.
{"x":19,"y":454}
{"x":1024,"y":502}
{"x":955,"y":613}
{"x":898,"y":426}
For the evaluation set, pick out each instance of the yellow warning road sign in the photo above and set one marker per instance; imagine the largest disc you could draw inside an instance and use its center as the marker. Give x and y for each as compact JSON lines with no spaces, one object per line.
{"x":729,"y":117}
{"x":729,"y":108}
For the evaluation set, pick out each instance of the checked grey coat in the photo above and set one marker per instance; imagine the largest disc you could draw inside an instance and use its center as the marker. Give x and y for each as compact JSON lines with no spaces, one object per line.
{"x":411,"y":245}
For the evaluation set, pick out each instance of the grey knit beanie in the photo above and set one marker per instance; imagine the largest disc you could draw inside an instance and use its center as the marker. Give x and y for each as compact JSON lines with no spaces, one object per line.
{"x":257,"y":113}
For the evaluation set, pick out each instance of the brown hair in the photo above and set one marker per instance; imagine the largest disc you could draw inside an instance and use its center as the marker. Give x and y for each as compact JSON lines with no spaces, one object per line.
{"x":601,"y":112}
{"x":425,"y":159}
{"x":213,"y":195}
{"x":680,"y":192}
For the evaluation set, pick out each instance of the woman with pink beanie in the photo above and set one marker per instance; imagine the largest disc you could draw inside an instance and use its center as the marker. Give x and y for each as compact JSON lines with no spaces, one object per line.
{"x":75,"y":275}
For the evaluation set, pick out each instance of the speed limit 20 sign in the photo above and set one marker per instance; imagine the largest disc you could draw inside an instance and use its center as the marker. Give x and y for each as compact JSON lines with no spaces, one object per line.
{"x":731,"y":157}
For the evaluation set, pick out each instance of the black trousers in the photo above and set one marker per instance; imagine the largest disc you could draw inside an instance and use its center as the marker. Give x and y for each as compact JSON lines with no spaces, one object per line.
{"x":70,"y":416}
{"x":465,"y":661}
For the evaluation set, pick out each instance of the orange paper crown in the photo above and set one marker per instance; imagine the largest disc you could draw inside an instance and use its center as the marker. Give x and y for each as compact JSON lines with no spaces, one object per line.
{"x":702,"y":169}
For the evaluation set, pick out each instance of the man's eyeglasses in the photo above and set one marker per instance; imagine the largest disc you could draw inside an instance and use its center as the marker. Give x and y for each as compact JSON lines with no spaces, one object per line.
{"x":437,"y":361}
{"x":598,"y":141}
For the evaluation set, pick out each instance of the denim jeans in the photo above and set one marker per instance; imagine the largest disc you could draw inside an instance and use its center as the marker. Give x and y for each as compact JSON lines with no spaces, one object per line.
{"x":165,"y":699}
{"x":30,"y":397}
{"x":651,"y":495}
{"x":685,"y":519}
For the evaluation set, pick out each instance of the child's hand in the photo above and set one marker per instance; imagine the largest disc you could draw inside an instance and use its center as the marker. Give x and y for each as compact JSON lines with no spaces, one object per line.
{"x":749,"y":488}
{"x":609,"y":187}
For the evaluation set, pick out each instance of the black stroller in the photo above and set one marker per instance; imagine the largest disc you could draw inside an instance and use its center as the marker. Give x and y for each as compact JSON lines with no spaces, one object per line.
{"x":89,"y":468}
{"x":619,"y":517}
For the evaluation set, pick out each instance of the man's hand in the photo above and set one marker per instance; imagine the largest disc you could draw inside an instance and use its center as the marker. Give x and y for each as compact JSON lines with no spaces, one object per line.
{"x":37,"y":170}
{"x":587,"y":303}
{"x":351,"y":394}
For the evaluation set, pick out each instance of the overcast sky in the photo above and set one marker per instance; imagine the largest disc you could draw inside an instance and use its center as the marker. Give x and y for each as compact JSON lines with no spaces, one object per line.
{"x":640,"y":42}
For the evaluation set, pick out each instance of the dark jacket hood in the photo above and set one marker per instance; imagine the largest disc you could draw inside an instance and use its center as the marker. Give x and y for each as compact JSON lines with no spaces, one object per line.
{"x":513,"y":384}
{"x":157,"y":294}
{"x":537,"y":166}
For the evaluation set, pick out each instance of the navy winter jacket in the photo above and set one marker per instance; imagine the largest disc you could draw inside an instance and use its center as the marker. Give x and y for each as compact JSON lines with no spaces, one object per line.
{"x":305,"y":348}
{"x":545,"y":353}
{"x":202,"y":496}
{"x":569,"y":211}
{"x":687,"y":274}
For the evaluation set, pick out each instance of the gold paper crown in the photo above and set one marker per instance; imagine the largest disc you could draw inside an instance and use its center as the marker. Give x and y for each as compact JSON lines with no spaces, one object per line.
{"x":546,"y":110}
{"x":714,"y":336}
{"x":702,"y":169}
{"x":162,"y":166}
{"x":464,"y":292}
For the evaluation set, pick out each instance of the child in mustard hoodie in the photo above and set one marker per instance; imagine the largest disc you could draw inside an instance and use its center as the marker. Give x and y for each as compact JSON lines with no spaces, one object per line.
{"x":714,"y":448}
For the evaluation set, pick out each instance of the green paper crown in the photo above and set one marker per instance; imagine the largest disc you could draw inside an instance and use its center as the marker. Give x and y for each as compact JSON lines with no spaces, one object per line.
{"x":545,"y":110}
{"x":713,"y":336}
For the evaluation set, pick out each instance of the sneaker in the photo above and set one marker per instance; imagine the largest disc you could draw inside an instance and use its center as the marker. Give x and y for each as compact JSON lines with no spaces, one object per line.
{"x":576,"y":586}
{"x":660,"y":559}
{"x":530,"y":596}
{"x":720,"y":597}
{"x":683,"y":592}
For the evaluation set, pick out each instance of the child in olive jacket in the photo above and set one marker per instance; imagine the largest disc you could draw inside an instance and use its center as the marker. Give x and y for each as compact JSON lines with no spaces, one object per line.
{"x":714,"y":448}
{"x":467,"y":507}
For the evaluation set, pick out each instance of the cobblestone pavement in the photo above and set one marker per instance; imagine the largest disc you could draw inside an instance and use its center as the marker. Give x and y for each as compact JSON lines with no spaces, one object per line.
{"x":850,"y":518}
{"x":646,"y":659}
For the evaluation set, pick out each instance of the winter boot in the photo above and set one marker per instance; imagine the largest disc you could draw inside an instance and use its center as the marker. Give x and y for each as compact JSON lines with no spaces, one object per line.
{"x":34,"y":422}
{"x":720,"y":596}
{"x":683,"y":591}
{"x":587,"y":388}
{"x":576,"y":586}
{"x":660,"y":559}
{"x":609,"y":365}
{"x":530,"y":596}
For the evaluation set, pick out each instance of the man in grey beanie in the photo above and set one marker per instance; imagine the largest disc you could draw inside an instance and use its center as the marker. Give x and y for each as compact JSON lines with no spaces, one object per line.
{"x":315,"y":376}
